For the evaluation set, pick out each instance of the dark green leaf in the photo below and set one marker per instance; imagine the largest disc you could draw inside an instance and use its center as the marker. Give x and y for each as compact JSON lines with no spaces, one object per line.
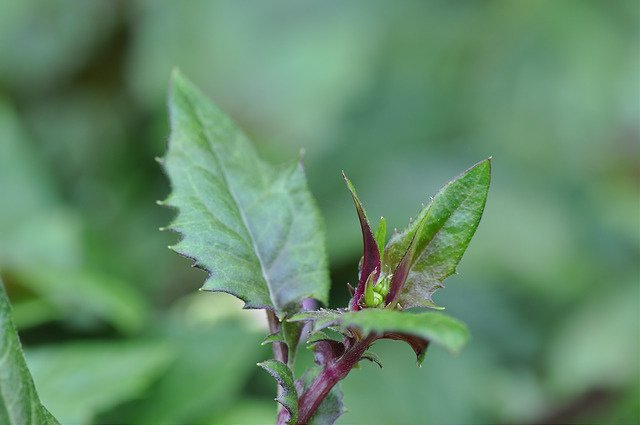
{"x":288,"y":397}
{"x":442,"y":233}
{"x":274,"y":337}
{"x":255,"y":228}
{"x":19,"y":402}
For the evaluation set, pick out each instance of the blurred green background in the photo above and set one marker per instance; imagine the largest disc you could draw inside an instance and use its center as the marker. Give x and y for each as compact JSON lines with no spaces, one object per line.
{"x":402,"y":95}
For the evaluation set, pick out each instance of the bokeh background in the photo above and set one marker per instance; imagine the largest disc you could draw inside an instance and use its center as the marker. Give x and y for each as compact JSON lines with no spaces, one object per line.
{"x":403,"y":95}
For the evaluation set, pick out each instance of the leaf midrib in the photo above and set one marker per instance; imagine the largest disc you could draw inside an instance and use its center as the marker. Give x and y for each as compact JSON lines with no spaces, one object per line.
{"x":444,"y":223}
{"x":223,"y":172}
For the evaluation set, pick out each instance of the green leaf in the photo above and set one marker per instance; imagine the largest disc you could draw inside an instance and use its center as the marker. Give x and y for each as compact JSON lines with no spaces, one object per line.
{"x":274,"y":337}
{"x":19,"y":402}
{"x":320,"y":318}
{"x":215,"y":359}
{"x":255,"y":228}
{"x":442,"y":233}
{"x":436,"y":327}
{"x":381,"y":235}
{"x":288,"y":397}
{"x":372,"y":357}
{"x":82,"y":379}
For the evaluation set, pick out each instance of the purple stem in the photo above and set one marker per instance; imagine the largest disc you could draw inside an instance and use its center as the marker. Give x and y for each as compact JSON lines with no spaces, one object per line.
{"x":332,"y":373}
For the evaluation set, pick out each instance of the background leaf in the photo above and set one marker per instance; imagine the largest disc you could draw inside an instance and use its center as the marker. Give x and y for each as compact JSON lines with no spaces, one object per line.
{"x":19,"y":402}
{"x":106,"y":374}
{"x":255,"y":228}
{"x":442,"y":230}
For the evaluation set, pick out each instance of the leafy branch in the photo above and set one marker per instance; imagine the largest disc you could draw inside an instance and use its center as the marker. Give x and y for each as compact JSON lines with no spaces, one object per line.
{"x":256,"y":230}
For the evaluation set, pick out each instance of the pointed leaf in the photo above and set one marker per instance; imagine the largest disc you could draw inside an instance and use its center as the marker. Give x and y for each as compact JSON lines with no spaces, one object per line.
{"x":373,"y":358}
{"x":371,"y":256}
{"x":288,"y":397}
{"x":381,"y":235}
{"x":274,"y":337}
{"x":435,"y":327}
{"x":418,"y":344}
{"x":255,"y":228}
{"x":443,"y":231}
{"x":19,"y":402}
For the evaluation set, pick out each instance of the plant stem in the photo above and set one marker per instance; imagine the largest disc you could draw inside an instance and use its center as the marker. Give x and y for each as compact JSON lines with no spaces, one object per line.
{"x":280,"y":351}
{"x":330,"y":376}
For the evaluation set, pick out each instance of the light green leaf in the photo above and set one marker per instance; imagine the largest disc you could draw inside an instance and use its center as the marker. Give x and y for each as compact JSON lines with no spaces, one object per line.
{"x":288,"y":397}
{"x":37,"y":228}
{"x":79,"y":380}
{"x":255,"y":228}
{"x":443,"y":231}
{"x":435,"y":327}
{"x":19,"y":402}
{"x":381,"y":234}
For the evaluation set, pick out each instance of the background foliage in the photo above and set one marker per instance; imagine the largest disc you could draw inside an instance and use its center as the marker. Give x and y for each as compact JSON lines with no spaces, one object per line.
{"x":402,"y":95}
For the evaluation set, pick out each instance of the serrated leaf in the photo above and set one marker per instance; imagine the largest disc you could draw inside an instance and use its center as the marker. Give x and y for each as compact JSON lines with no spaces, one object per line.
{"x":435,"y":327}
{"x":255,"y":228}
{"x":442,"y":233}
{"x":19,"y":402}
{"x":288,"y":397}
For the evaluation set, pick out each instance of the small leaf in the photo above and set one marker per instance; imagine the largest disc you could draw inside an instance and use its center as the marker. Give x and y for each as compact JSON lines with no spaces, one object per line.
{"x":371,"y":256}
{"x":255,"y":228}
{"x":19,"y":402}
{"x":436,"y":327}
{"x":317,"y":336}
{"x":291,"y":332}
{"x":442,"y":233}
{"x":372,"y":357}
{"x":274,"y":337}
{"x":320,"y":318}
{"x":381,"y":235}
{"x":289,"y":396}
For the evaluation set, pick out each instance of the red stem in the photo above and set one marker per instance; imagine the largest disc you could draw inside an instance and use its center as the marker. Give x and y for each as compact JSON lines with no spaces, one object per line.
{"x":330,"y":376}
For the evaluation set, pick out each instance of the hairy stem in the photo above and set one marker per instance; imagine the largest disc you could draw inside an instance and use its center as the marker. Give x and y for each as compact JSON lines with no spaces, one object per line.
{"x":332,"y":373}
